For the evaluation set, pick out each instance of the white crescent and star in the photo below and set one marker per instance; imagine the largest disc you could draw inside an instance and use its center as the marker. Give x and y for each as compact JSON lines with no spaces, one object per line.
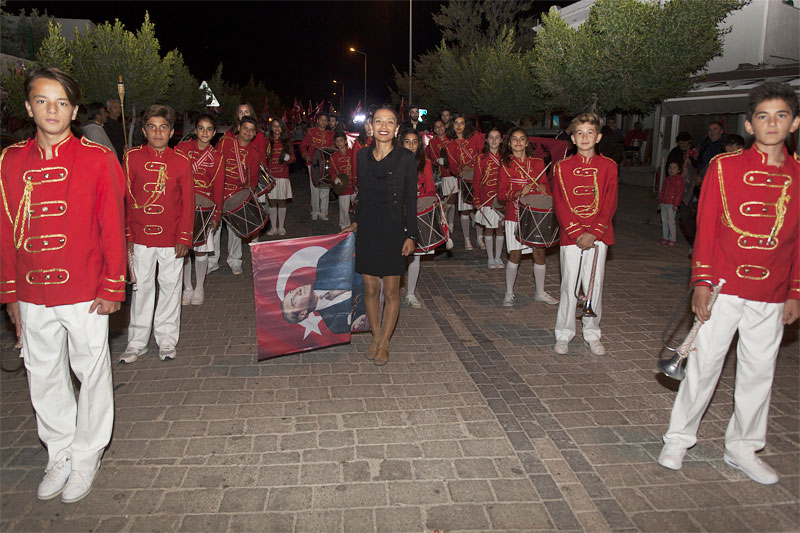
{"x":307,"y":257}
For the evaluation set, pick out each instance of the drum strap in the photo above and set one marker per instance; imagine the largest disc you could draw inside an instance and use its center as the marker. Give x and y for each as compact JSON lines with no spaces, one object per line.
{"x":466,"y":158}
{"x":239,"y":165}
{"x":527,"y":170}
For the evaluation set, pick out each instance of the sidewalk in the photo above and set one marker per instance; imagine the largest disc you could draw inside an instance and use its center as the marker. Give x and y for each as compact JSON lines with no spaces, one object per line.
{"x":475,"y":424}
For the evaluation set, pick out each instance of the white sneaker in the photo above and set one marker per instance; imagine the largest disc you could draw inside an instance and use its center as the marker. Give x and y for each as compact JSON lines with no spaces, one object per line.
{"x":78,"y":486}
{"x":467,"y":245}
{"x":282,"y":231}
{"x":237,"y":271}
{"x":508,"y":300}
{"x":671,"y":457}
{"x":561,"y":347}
{"x":197,"y":297}
{"x":491,"y":264}
{"x":323,"y":216}
{"x":596,"y":347}
{"x":752,"y":466}
{"x":546,"y":298}
{"x":314,"y":215}
{"x":166,"y":353}
{"x":272,"y":231}
{"x":187,"y":297}
{"x":130,"y":355}
{"x":498,"y":264}
{"x":412,"y":302}
{"x":54,"y":479}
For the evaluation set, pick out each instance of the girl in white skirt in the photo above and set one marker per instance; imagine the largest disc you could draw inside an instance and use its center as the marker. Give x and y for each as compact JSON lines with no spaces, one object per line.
{"x":411,"y":141}
{"x":488,"y":216}
{"x":280,"y":154}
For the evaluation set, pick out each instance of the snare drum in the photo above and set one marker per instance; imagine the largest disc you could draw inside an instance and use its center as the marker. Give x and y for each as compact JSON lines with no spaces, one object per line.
{"x":265,"y":181}
{"x":320,"y":167}
{"x":244,"y":214}
{"x":537,"y":224}
{"x":430,"y":224}
{"x":204,"y":208}
{"x":466,"y":194}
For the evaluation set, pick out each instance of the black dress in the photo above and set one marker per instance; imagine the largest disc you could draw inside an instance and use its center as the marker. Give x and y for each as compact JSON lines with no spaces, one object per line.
{"x":386,"y":212}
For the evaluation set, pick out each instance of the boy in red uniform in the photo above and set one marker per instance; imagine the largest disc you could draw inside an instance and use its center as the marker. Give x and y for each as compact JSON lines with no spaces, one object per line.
{"x":63,"y":273}
{"x":241,"y":158}
{"x":340,"y":164}
{"x":747,"y":234}
{"x":208,"y":182}
{"x":159,"y":220}
{"x":585,"y":200}
{"x":319,"y":137}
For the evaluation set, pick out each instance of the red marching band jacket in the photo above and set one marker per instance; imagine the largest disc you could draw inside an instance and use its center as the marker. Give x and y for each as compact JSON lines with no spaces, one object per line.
{"x":260,"y":141}
{"x":62,"y":224}
{"x":315,"y":138}
{"x":159,"y":206}
{"x":462,"y":153}
{"x":207,"y":172}
{"x":246,"y":167}
{"x":487,"y":171}
{"x":672,"y":191}
{"x":276,"y":166}
{"x":513,"y":177}
{"x":585,"y":197}
{"x":341,"y":164}
{"x":747,"y":226}
{"x":356,"y":147}
{"x":425,"y":185}
{"x":434,"y":151}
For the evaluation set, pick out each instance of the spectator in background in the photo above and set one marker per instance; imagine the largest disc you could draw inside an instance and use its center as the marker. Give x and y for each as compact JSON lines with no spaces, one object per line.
{"x":611,"y":123}
{"x":113,"y":126}
{"x":413,"y":122}
{"x":636,"y":136}
{"x":610,"y":145}
{"x":566,"y":135}
{"x":335,"y":124}
{"x":93,"y":129}
{"x":712,"y":144}
{"x":733,"y":142}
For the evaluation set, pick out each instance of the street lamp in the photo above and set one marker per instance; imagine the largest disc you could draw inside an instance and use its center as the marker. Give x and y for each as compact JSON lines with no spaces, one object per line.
{"x":342,"y":86}
{"x":365,"y":73}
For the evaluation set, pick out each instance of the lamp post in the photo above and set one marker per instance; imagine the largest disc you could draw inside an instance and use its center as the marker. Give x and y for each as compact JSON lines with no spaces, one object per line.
{"x":342,"y":86}
{"x":365,"y":73}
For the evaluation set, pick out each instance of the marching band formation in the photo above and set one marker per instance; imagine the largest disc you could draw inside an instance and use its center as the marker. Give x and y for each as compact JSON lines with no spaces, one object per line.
{"x":72,"y":218}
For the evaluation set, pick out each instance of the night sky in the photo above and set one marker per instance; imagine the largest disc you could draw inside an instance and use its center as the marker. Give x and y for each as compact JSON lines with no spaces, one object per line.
{"x":295,"y":48}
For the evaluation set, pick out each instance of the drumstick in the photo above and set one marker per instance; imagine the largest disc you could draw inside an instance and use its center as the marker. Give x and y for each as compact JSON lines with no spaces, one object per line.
{"x":536,"y":179}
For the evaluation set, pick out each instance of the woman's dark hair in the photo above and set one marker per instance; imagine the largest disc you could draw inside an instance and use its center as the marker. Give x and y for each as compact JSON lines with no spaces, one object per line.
{"x":283,"y":138}
{"x":393,"y":111}
{"x":486,"y":144}
{"x":419,"y":155}
{"x":208,"y":117}
{"x":506,"y":154}
{"x":362,"y":134}
{"x":56,"y":74}
{"x":469,"y":127}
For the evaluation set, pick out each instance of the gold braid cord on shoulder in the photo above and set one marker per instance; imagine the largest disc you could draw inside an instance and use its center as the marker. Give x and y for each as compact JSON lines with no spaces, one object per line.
{"x":583,"y":211}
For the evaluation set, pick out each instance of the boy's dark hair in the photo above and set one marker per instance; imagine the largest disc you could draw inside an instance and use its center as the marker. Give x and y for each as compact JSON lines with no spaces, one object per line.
{"x":591,"y":118}
{"x":250,"y":120}
{"x":322,"y":115}
{"x":160,"y":110}
{"x":208,"y":117}
{"x":770,"y":90}
{"x":52,"y":73}
{"x":339,"y":135}
{"x":94,"y":109}
{"x":734,"y":140}
{"x":683,"y":136}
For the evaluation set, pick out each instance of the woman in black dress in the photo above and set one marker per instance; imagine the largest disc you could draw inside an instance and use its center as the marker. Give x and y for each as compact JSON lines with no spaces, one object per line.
{"x":385,"y":223}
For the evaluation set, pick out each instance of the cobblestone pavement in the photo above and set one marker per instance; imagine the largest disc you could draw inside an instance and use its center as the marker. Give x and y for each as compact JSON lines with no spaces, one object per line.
{"x":475,"y":424}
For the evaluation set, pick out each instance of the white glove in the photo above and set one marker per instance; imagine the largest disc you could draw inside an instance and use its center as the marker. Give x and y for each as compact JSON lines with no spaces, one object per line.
{"x":286,"y":157}
{"x":440,"y":161}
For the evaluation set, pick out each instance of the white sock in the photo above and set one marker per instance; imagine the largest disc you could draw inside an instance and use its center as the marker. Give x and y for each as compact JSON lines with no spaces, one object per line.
{"x":511,"y":277}
{"x":538,"y":277}
{"x":187,"y":272}
{"x":281,"y":217}
{"x":273,"y":217}
{"x":465,"y":227}
{"x":498,"y":243}
{"x":413,"y":274}
{"x":488,"y":242}
{"x":450,"y":211}
{"x":200,"y":269}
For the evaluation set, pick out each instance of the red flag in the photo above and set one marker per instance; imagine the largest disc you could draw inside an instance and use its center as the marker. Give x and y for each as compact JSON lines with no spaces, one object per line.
{"x":317,"y":111}
{"x":283,"y":118}
{"x":402,"y":109}
{"x":307,"y":294}
{"x":358,"y":109}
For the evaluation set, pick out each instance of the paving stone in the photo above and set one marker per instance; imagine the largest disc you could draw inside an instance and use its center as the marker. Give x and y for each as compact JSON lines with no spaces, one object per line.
{"x":349,"y":495}
{"x":456,"y":517}
{"x":243,"y":500}
{"x":467,"y":491}
{"x":417,"y":493}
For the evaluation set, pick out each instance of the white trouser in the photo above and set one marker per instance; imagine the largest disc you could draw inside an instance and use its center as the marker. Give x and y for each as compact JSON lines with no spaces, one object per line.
{"x":565,"y":320}
{"x":319,"y":197}
{"x":344,"y":209}
{"x":760,"y":332}
{"x":234,"y":248}
{"x":167,"y":317}
{"x":55,"y":338}
{"x":668,"y":221}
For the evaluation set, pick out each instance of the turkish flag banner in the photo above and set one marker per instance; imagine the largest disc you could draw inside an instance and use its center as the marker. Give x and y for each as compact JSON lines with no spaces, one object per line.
{"x":307,"y":294}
